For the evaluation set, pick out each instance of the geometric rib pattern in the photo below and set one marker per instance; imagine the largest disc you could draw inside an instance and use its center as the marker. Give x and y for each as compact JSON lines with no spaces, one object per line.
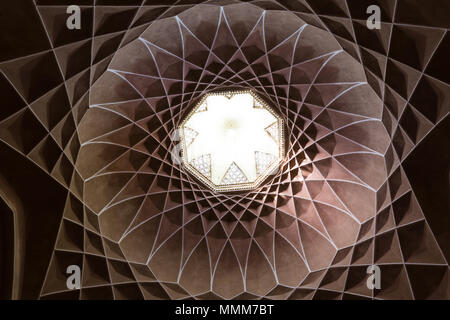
{"x":272,"y":130}
{"x":190,"y":135}
{"x":364,"y":111}
{"x":263,"y":161}
{"x":234,"y":175}
{"x":203,"y":165}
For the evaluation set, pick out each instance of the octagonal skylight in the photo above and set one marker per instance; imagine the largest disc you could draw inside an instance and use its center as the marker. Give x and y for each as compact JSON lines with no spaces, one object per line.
{"x":232,"y":140}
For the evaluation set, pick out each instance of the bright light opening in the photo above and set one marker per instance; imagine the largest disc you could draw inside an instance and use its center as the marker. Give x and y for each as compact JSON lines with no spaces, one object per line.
{"x":232,"y":141}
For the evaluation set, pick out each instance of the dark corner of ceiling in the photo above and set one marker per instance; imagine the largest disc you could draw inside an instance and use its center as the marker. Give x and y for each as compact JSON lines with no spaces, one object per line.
{"x":429,"y":164}
{"x":6,"y":251}
{"x":39,"y":200}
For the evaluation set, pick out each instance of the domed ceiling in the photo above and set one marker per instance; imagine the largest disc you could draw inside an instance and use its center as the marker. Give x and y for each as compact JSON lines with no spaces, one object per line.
{"x":87,"y":130}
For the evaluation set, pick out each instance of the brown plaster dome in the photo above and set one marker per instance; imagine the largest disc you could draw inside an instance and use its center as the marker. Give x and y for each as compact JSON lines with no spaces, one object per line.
{"x":364,"y":179}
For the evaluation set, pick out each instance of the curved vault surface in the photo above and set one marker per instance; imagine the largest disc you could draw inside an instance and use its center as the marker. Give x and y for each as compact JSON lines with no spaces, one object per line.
{"x":361,"y":108}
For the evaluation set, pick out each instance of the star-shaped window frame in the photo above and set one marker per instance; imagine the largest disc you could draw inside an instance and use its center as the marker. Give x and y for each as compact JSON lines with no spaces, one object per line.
{"x":184,"y":131}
